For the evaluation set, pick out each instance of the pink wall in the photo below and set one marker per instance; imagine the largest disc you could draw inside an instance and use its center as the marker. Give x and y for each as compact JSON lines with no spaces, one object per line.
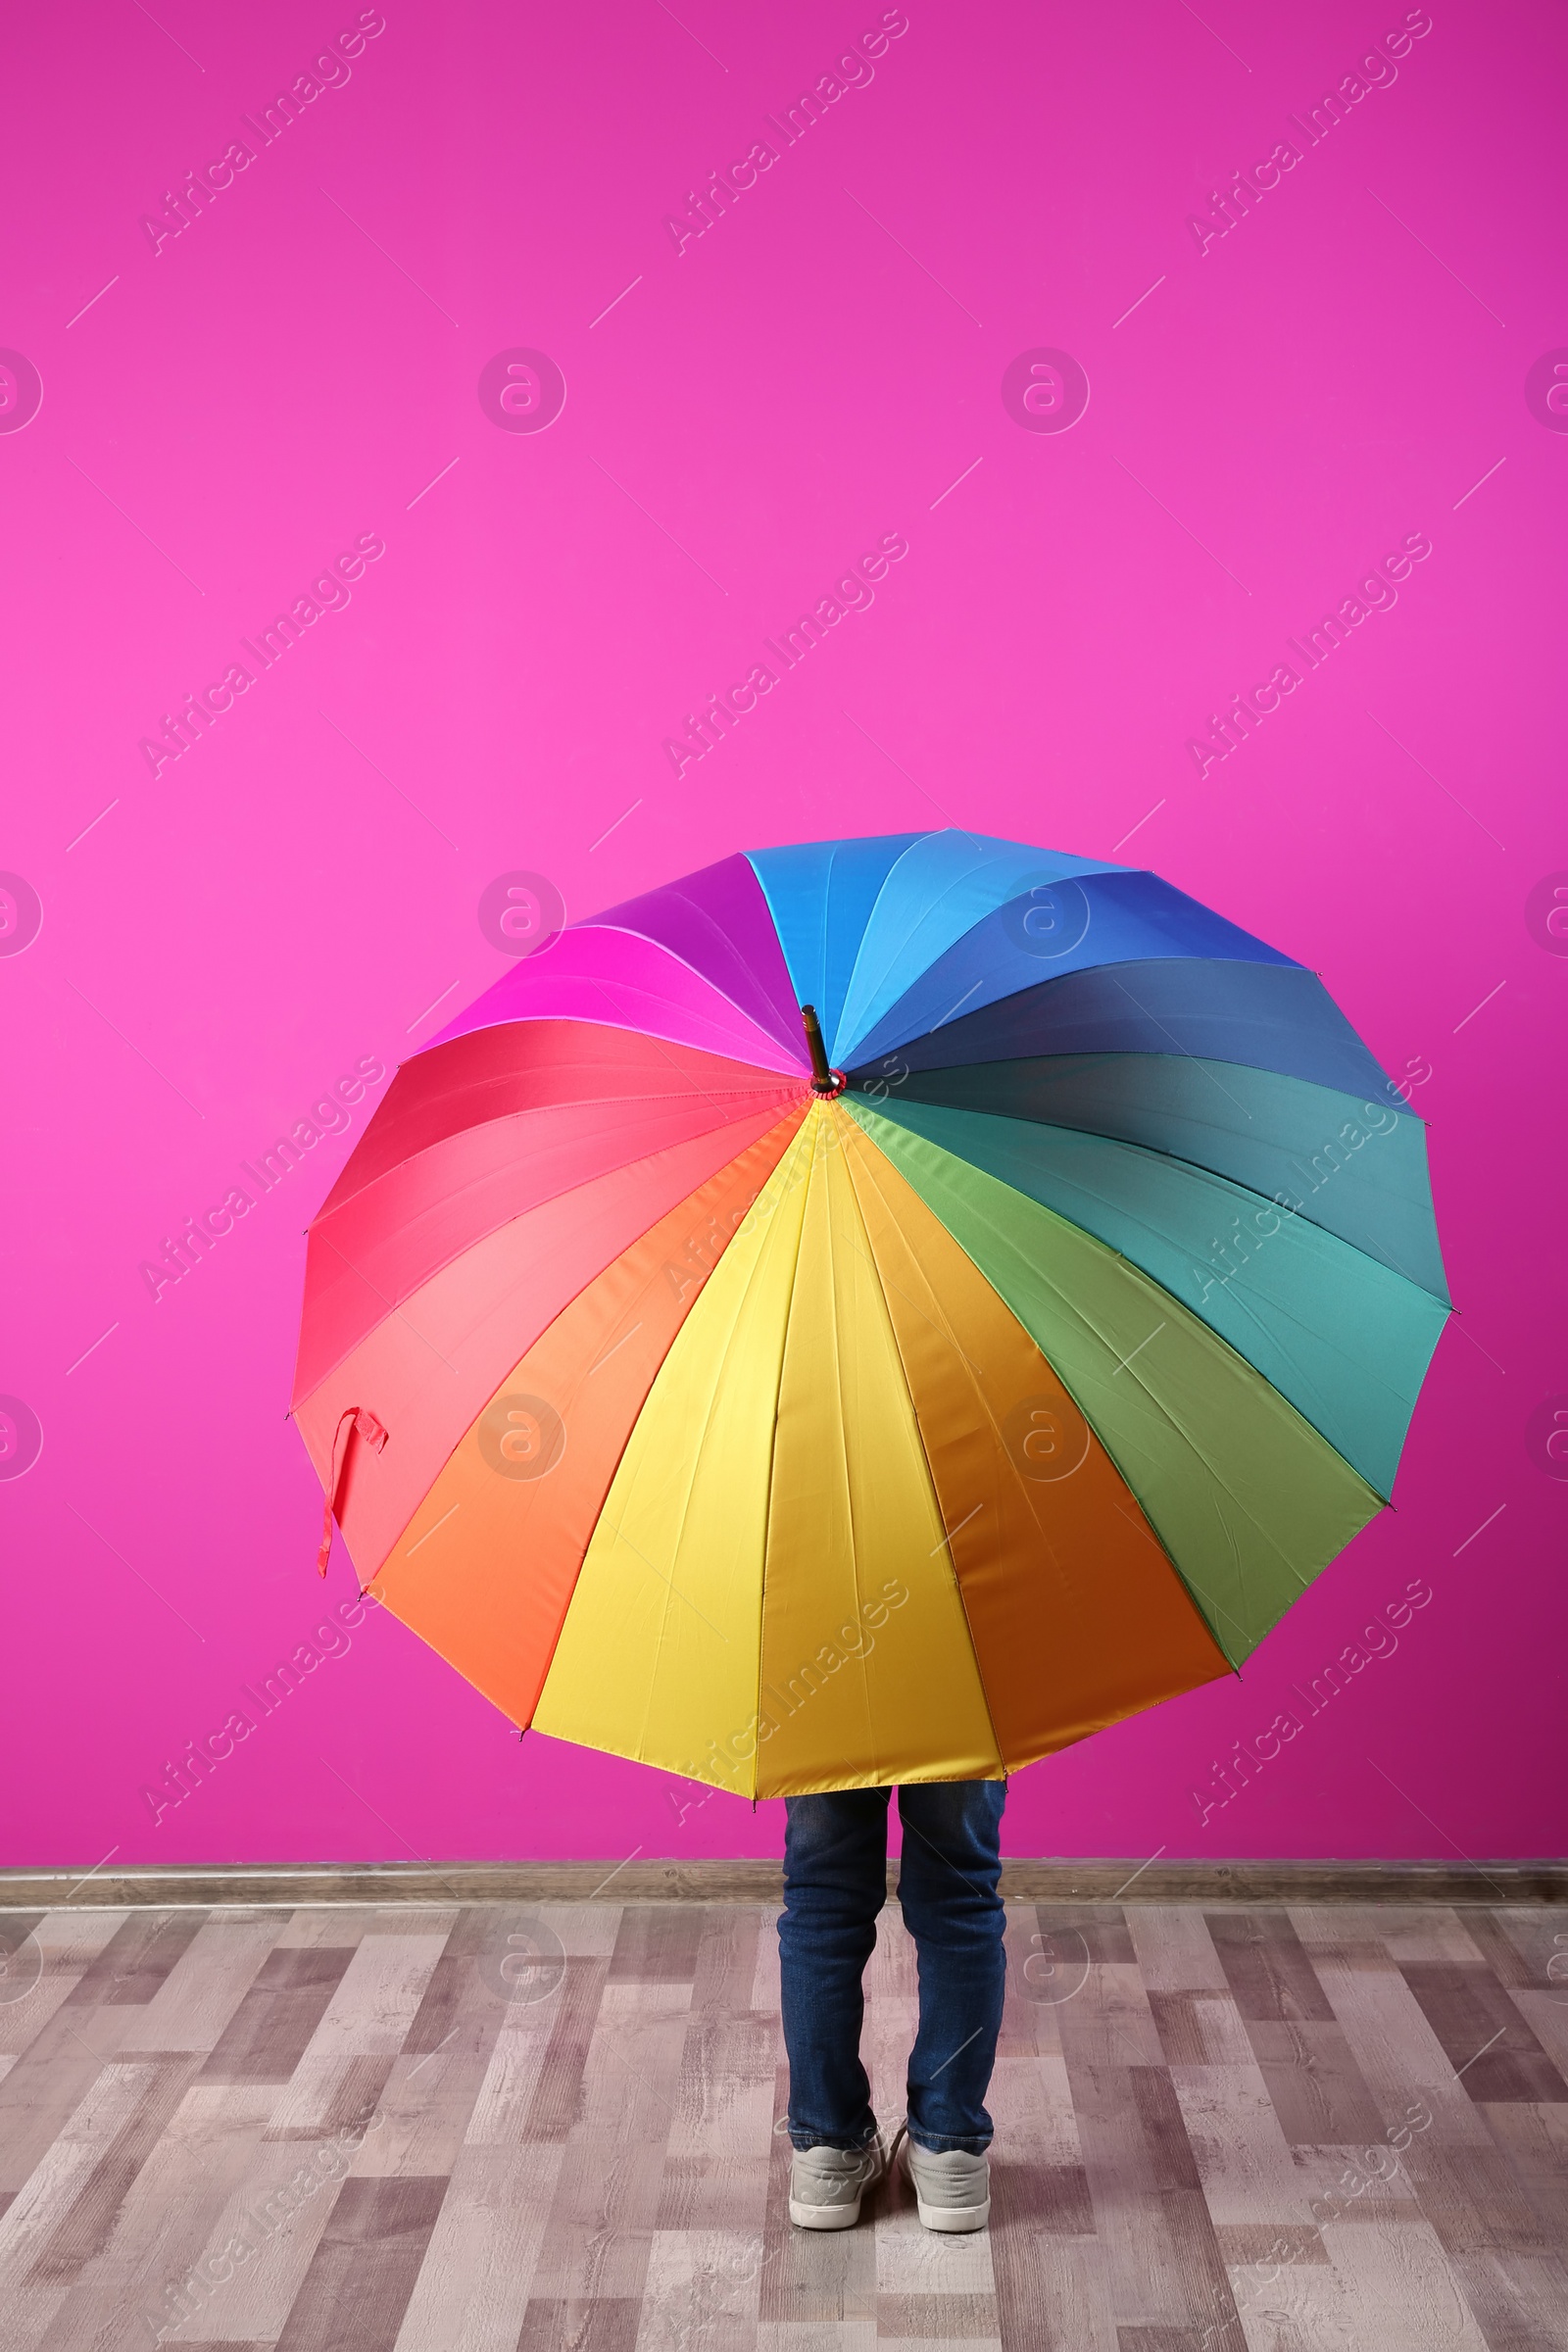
{"x":298,"y":370}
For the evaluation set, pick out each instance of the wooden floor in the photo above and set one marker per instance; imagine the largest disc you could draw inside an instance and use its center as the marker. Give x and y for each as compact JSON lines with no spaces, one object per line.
{"x":488,"y":2130}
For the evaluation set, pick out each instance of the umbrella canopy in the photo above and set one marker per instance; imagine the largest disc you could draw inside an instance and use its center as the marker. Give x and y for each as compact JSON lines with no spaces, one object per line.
{"x":894,"y":1389}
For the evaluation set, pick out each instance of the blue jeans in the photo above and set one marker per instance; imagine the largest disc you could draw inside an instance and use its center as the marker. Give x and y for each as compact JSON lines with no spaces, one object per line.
{"x":835,"y":1882}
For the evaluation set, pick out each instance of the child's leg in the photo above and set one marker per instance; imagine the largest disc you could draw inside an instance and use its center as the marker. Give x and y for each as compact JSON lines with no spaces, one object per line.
{"x":947,"y":1887}
{"x":835,"y":1882}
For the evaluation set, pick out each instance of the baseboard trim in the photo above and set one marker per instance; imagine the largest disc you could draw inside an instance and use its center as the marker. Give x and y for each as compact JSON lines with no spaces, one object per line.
{"x":641,"y":1881}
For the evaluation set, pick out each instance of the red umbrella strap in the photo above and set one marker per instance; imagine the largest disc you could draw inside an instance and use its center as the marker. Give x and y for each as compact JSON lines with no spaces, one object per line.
{"x":352,"y":1417}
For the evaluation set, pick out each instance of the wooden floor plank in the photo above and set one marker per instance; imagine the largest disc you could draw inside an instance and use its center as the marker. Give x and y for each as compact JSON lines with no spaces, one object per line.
{"x":1174,"y":1949}
{"x":1524,"y":1953}
{"x":1052,"y":2291}
{"x":764,"y":1984}
{"x":892,"y":1971}
{"x":1202,"y":2028}
{"x":260,"y":2245}
{"x":607,"y":2191}
{"x":818,"y":2336}
{"x":1536,"y":1938}
{"x":502,"y":2103}
{"x":1349,"y":1935}
{"x":378,"y":1994}
{"x":273,"y":2025}
{"x":1545,"y":2013}
{"x":45,"y":2085}
{"x":84,"y":2230}
{"x":719,"y":2152}
{"x":577,"y":2004}
{"x":1520,"y":2301}
{"x":1297,"y":2307}
{"x":1357,"y":2185}
{"x":362,"y":2274}
{"x":428,"y":2098}
{"x":658,"y":1942}
{"x":601,"y":2323}
{"x":725,"y":1968}
{"x":1399,"y":2290}
{"x":585,"y":1931}
{"x":322,"y":1924}
{"x":328,"y":2098}
{"x":887,"y":2037}
{"x":1533,"y":2141}
{"x":1313,"y":2081}
{"x":926,"y":2318}
{"x":1267,"y":1967}
{"x":1031,"y":2106}
{"x":473,"y":2288}
{"x":1401,"y":2060}
{"x":199,"y":1997}
{"x":1486,"y":2036}
{"x":137,"y":1957}
{"x":41,"y":2208}
{"x":141,"y":2277}
{"x":1432,"y":1935}
{"x":1101,"y":1928}
{"x":702,"y":2291}
{"x":61,"y":1945}
{"x":1477,"y":2200}
{"x":1150,"y":2212}
{"x":1243,"y":2162}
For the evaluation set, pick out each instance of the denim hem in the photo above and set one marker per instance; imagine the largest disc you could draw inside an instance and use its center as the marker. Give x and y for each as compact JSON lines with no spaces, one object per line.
{"x":942,"y":2144}
{"x":799,"y":2142}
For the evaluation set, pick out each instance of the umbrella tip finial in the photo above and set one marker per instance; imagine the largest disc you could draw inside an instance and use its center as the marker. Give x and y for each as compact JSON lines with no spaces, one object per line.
{"x":825,"y":1080}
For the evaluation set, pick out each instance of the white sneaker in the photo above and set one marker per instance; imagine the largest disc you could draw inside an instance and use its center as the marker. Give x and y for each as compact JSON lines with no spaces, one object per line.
{"x":952,"y":2190}
{"x":826,"y":2184}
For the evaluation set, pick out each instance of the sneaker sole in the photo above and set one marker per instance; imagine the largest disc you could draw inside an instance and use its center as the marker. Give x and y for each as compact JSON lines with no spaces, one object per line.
{"x":952,"y":2217}
{"x":824,"y":2217}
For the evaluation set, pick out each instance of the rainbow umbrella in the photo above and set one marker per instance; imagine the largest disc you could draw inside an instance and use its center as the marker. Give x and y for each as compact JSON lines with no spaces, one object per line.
{"x":870,"y":1311}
